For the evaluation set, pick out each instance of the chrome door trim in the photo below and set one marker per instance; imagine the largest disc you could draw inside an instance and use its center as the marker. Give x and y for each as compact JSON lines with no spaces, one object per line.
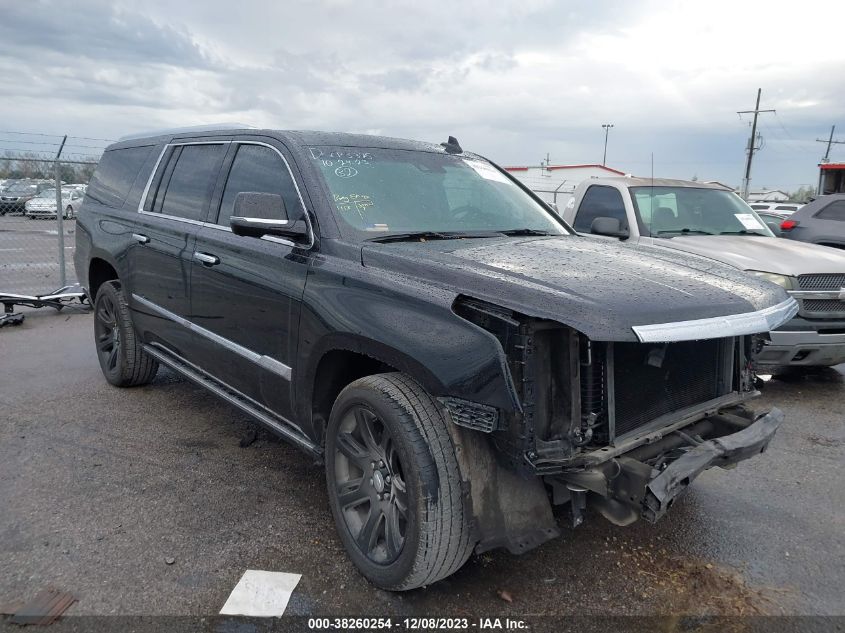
{"x":270,"y":364}
{"x":757,"y":322}
{"x":164,"y":149}
{"x":212,"y":225}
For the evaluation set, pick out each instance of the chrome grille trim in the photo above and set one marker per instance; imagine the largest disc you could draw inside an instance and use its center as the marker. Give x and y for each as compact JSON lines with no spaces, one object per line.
{"x":822,"y":281}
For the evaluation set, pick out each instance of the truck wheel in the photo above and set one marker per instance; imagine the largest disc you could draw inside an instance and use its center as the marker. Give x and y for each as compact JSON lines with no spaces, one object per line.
{"x":394,"y":485}
{"x":123,"y":361}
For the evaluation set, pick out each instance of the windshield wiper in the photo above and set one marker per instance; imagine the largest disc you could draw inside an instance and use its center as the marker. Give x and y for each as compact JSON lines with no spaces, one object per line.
{"x":696,"y":231}
{"x":742,"y":232}
{"x":525,"y":232}
{"x":429,"y":235}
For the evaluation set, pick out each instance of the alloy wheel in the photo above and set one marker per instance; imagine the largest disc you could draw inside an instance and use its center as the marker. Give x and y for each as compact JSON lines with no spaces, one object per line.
{"x":370,"y":483}
{"x":107,"y":333}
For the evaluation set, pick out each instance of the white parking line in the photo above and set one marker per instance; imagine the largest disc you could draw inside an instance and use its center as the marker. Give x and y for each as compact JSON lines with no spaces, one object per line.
{"x":263,"y":594}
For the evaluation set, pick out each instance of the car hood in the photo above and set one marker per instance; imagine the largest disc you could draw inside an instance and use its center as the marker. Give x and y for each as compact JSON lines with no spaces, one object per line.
{"x":600,"y":288}
{"x":756,"y":252}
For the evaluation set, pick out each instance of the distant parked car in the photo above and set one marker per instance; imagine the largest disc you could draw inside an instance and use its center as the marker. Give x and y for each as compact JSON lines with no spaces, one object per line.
{"x":773,"y":220}
{"x":14,"y":199}
{"x":822,"y":221}
{"x":44,"y":204}
{"x":712,"y":221}
{"x":777,"y":207}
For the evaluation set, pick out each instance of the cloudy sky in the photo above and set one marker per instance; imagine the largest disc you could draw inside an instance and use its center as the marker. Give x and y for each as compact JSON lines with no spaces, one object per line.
{"x":513,"y":80}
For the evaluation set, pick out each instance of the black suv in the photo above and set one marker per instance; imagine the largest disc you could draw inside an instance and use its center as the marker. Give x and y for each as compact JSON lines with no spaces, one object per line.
{"x":414,"y":317}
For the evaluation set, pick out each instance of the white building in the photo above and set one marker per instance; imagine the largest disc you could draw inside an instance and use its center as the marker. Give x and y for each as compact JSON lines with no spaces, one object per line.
{"x":768,"y":195}
{"x":556,"y":183}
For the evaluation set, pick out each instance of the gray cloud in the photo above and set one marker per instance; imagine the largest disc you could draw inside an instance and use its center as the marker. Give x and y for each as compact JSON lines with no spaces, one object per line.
{"x":513,"y":79}
{"x":95,"y":30}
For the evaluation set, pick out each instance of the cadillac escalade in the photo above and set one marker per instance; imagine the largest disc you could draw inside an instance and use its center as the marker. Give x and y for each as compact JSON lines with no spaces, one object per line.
{"x":457,"y":357}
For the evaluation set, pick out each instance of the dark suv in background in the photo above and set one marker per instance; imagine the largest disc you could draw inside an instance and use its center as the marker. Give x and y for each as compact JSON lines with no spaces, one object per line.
{"x":821,"y":221}
{"x":413,"y":317}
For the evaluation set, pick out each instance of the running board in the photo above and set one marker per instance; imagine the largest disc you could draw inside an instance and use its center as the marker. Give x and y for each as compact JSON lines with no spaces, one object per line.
{"x":275,"y":423}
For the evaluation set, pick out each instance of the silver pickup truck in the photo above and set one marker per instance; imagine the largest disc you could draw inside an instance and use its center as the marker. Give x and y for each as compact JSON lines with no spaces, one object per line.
{"x":712,"y":221}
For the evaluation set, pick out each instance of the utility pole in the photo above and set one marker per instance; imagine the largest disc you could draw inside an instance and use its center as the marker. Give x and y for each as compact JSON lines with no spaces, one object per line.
{"x":606,"y":127}
{"x":746,"y":182}
{"x":829,"y":141}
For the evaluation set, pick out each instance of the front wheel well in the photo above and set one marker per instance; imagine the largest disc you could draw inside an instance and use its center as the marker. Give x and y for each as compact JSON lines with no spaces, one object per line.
{"x":335,"y":370}
{"x":99,"y":272}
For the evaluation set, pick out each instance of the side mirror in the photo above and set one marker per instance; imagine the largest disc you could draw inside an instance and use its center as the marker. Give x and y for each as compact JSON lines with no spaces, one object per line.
{"x":258,"y":214}
{"x":611,"y":227}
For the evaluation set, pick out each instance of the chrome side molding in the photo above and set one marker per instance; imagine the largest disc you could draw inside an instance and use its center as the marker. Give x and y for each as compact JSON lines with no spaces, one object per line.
{"x":271,"y":364}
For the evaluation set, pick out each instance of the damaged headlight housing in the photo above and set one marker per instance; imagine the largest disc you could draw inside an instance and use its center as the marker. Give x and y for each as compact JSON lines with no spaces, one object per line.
{"x":784,"y":281}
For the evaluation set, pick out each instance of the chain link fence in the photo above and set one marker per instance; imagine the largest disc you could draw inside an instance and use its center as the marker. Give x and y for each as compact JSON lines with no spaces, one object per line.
{"x":43,"y":179}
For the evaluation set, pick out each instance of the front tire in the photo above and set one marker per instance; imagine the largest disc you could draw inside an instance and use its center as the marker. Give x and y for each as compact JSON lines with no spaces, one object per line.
{"x":395,"y":489}
{"x":122,"y":359}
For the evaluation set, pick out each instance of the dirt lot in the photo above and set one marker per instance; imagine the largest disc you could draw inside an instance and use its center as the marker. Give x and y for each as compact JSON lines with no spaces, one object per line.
{"x":102,"y":487}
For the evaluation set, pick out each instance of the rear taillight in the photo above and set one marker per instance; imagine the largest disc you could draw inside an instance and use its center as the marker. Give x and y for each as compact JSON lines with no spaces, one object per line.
{"x":788,"y":225}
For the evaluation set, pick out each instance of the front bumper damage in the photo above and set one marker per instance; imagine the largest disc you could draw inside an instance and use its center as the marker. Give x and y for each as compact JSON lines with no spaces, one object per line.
{"x":644,"y":482}
{"x":725,"y":451}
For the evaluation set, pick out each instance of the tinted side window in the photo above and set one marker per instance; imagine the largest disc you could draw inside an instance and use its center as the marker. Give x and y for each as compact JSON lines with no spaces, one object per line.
{"x":188,"y":181}
{"x":600,"y":201}
{"x":258,"y":169}
{"x":833,"y":211}
{"x":116,"y":173}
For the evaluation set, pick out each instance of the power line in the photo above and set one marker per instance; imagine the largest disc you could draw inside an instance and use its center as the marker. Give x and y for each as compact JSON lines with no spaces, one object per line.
{"x":57,"y":136}
{"x":88,"y":138}
{"x":11,"y":140}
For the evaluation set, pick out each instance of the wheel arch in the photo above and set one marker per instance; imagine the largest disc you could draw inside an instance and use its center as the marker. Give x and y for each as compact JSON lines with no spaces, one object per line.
{"x":99,"y":272}
{"x":341,"y":359}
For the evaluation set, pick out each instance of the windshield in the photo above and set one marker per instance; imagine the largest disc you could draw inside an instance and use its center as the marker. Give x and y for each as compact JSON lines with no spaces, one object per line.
{"x":673,"y":211}
{"x":381,"y":191}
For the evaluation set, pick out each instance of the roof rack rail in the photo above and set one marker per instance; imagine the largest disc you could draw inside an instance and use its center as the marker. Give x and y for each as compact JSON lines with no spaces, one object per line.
{"x":209,"y":127}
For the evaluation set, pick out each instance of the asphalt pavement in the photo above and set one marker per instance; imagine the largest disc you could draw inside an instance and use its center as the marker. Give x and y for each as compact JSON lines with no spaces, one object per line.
{"x":143,"y":502}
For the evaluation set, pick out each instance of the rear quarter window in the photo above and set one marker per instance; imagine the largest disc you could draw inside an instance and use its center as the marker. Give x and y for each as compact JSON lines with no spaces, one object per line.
{"x":833,"y":211}
{"x":115,"y":175}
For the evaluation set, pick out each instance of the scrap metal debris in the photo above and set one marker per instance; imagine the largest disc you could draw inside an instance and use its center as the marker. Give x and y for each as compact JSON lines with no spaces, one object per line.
{"x":14,"y":318}
{"x":45,"y":608}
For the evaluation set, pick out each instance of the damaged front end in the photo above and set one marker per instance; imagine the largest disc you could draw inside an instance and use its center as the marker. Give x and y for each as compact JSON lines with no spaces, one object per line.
{"x":623,"y":427}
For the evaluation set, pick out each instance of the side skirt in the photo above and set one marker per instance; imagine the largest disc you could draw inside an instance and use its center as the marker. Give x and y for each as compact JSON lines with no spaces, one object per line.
{"x":275,"y":423}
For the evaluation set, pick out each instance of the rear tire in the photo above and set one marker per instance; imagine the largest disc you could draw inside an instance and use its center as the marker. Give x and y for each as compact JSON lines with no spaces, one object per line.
{"x":391,"y":466}
{"x":122,"y":359}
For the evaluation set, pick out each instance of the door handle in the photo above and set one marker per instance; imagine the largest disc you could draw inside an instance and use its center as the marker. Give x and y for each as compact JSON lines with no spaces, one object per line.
{"x":141,"y":239}
{"x":206,"y":259}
